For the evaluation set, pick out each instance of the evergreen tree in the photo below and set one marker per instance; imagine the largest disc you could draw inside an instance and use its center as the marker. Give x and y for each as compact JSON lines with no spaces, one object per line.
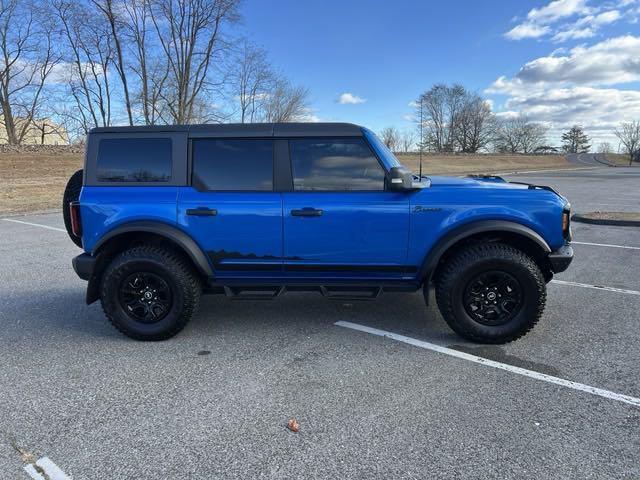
{"x":575,"y":140}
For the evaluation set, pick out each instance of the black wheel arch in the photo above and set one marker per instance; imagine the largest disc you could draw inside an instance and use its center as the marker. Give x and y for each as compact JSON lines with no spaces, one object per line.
{"x":509,"y":232}
{"x":144,"y":232}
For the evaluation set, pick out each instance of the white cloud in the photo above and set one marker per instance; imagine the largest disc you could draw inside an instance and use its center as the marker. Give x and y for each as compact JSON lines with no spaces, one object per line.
{"x":557,"y":10}
{"x":604,"y":17}
{"x":348,"y":98}
{"x":612,"y":61}
{"x":577,"y":85}
{"x":587,"y":26}
{"x":599,"y":110}
{"x":538,"y":19}
{"x":547,"y":20}
{"x":527,"y":30}
{"x":573,"y":34}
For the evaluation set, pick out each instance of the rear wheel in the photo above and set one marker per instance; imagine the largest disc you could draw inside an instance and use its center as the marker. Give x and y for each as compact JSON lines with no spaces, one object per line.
{"x":491,"y":293}
{"x":71,"y":194}
{"x":149,"y":293}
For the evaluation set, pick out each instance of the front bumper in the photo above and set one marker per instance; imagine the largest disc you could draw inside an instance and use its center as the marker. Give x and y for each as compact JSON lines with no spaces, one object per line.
{"x":84,"y":265}
{"x":561,"y":259}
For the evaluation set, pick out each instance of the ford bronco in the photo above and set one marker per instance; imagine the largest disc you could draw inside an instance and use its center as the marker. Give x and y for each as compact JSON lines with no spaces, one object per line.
{"x":166,"y":213}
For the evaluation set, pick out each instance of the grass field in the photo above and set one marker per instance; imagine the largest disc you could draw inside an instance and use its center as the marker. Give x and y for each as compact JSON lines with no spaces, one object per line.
{"x":31,"y":182}
{"x":619,"y":159}
{"x":463,"y":164}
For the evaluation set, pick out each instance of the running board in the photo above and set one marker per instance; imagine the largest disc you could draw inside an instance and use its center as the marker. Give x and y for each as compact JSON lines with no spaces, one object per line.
{"x":346,"y":293}
{"x":341,"y":293}
{"x":253,"y":293}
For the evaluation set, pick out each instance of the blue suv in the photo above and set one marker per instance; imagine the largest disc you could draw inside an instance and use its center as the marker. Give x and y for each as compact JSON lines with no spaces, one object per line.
{"x":167,"y":213}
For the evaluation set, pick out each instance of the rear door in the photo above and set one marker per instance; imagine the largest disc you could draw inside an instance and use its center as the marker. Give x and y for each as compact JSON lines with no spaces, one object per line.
{"x":339,"y":220}
{"x":231,"y":208}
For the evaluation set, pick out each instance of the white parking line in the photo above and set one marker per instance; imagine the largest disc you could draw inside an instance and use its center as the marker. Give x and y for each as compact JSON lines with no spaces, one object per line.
{"x":596,"y":287}
{"x":34,"y":224}
{"x":50,"y":470}
{"x":606,"y":245}
{"x":490,"y":363}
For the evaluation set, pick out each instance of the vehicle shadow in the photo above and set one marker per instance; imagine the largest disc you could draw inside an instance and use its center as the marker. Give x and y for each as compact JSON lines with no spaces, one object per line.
{"x":403,"y":313}
{"x":58,"y":313}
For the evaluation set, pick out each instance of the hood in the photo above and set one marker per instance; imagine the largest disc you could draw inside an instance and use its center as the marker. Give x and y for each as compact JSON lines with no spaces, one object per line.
{"x":475,"y":181}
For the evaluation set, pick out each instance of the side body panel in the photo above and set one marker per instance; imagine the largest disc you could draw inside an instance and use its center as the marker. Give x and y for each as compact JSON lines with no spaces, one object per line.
{"x":357,"y":235}
{"x":439,"y":210}
{"x":244,"y":238}
{"x":105,"y":208}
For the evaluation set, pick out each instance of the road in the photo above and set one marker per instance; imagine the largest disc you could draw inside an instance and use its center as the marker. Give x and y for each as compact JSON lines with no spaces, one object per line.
{"x":214,"y":401}
{"x":587,"y":159}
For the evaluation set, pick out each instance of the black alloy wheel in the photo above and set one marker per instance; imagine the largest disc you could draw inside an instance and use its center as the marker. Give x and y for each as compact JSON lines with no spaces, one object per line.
{"x":493,"y":297}
{"x":145,"y":297}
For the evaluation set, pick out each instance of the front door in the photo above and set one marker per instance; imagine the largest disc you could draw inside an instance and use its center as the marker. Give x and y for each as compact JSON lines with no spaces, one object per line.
{"x":231,"y":208}
{"x":339,"y":221}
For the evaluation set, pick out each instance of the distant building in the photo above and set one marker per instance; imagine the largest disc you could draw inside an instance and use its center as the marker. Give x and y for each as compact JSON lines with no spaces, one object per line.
{"x":39,"y":132}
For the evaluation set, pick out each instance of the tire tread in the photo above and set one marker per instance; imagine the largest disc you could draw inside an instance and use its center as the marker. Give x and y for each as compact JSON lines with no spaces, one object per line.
{"x":185,"y":276}
{"x":455,"y":267}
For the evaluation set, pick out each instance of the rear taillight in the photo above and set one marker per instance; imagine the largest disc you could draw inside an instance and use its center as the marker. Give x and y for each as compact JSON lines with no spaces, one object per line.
{"x":566,"y":224}
{"x":76,"y":223}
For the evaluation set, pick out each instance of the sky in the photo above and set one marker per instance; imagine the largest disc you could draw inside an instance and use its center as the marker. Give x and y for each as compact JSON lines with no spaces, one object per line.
{"x":559,"y":62}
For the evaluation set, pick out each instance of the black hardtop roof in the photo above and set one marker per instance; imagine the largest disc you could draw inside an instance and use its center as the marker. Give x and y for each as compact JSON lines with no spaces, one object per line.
{"x":315,"y":129}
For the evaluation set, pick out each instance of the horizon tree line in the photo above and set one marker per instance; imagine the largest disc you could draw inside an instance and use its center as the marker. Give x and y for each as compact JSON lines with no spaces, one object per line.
{"x":452,"y":119}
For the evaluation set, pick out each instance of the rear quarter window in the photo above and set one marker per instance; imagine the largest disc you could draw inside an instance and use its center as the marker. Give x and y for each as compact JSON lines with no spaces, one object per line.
{"x":134,"y":160}
{"x":233,"y":164}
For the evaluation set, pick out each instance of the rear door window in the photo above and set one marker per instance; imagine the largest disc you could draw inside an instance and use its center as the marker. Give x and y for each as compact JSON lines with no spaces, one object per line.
{"x":233,"y":164}
{"x":340,"y":164}
{"x":134,"y":160}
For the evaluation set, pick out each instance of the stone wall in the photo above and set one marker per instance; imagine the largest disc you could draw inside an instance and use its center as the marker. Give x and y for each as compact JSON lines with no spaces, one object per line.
{"x":48,"y":149}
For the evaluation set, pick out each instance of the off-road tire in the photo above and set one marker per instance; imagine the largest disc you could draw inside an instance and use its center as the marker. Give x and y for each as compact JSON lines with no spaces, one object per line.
{"x":466,"y":264}
{"x":172,"y":268}
{"x":71,"y":194}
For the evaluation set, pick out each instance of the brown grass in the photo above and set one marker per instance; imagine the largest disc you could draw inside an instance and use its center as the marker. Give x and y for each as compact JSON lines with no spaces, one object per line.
{"x":619,"y":159}
{"x":33,"y":181}
{"x":463,"y":164}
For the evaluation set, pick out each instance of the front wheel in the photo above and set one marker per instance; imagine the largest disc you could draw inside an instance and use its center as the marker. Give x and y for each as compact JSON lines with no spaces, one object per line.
{"x":149,"y":293}
{"x":491,"y":293}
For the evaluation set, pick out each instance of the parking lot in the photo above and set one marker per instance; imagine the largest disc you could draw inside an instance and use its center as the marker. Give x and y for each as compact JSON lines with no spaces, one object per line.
{"x":214,"y":401}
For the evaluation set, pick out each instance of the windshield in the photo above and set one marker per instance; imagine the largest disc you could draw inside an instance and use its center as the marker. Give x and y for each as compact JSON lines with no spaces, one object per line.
{"x":381,"y":149}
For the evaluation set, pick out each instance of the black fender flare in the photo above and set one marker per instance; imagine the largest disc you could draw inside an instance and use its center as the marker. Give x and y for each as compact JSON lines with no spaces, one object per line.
{"x":177,"y":236}
{"x":468,"y":229}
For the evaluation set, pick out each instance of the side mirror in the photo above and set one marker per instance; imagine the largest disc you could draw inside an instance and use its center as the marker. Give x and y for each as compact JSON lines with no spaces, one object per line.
{"x":400,"y":179}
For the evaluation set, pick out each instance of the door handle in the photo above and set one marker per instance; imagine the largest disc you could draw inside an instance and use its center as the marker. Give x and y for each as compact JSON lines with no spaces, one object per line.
{"x":202,"y":211}
{"x":306,"y":212}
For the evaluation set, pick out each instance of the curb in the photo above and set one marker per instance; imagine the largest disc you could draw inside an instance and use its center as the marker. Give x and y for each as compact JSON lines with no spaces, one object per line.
{"x":596,"y":221}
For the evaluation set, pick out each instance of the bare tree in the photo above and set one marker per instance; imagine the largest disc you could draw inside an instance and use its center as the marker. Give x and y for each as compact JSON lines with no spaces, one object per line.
{"x":89,"y":53}
{"x":115,"y":28}
{"x":191,"y":35}
{"x":629,"y":135}
{"x":475,"y":125}
{"x":453,"y":119}
{"x":520,"y":135}
{"x":604,"y":147}
{"x":433,"y":123}
{"x":45,"y":128}
{"x":27,"y":60}
{"x":251,"y":81}
{"x":286,"y":102}
{"x":391,"y":138}
{"x":407,"y":141}
{"x":150,"y":69}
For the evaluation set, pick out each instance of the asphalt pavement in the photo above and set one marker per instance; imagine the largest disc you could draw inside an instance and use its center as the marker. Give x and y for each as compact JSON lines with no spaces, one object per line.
{"x":214,"y":401}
